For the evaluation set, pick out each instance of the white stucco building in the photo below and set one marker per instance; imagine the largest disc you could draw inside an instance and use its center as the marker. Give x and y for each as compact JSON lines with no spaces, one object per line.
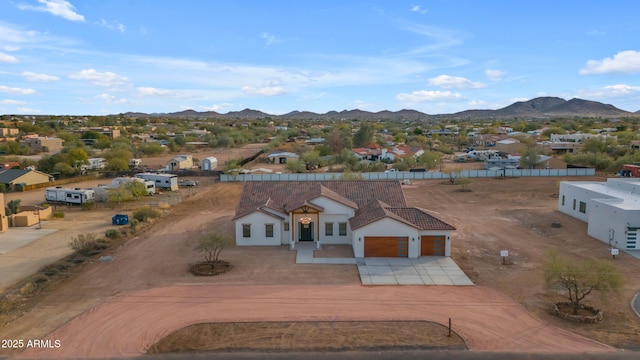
{"x":611,"y":209}
{"x":371,"y":216}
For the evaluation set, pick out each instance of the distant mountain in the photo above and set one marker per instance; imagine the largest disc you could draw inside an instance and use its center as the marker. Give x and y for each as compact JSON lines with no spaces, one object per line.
{"x":546,"y":107}
{"x":541,"y":107}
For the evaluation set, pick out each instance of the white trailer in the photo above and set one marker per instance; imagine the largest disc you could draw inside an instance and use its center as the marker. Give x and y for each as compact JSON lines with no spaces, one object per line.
{"x":69,"y":195}
{"x":134,"y":163}
{"x":124,"y":180}
{"x":162,"y":181}
{"x":94,"y":164}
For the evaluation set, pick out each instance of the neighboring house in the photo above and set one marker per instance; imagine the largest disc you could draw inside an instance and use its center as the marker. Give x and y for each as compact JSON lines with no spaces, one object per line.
{"x":9,"y":165}
{"x":509,"y":146}
{"x":371,"y":216}
{"x":208,"y":164}
{"x":611,"y":209}
{"x":371,"y":151}
{"x":43,"y":144}
{"x":9,"y":132}
{"x":281,"y":157}
{"x":401,"y":152}
{"x":12,"y":177}
{"x":180,"y":162}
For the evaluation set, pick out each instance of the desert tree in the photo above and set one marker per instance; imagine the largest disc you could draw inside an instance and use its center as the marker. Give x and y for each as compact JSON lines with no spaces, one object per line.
{"x":211,"y":246}
{"x":578,"y":279}
{"x":452,"y":174}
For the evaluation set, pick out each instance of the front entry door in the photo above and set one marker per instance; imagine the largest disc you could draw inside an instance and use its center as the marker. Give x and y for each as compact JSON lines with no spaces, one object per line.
{"x":306,"y":232}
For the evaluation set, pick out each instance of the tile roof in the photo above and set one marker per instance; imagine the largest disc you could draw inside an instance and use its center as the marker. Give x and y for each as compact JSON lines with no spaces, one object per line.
{"x":286,"y":194}
{"x":373,"y":201}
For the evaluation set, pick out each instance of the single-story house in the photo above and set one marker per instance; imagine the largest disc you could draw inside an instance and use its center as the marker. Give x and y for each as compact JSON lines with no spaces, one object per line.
{"x":281,"y":157}
{"x":371,"y":151}
{"x":180,"y":162}
{"x":371,"y":216}
{"x":611,"y":209}
{"x":509,"y":146}
{"x":11,"y":177}
{"x":209,"y":163}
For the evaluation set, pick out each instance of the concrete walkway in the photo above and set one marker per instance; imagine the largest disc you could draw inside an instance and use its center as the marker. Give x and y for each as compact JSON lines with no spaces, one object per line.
{"x":17,"y":237}
{"x":426,"y":270}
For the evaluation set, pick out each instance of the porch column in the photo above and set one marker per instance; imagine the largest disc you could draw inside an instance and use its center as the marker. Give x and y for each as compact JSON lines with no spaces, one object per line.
{"x":318,"y":231}
{"x":292,"y":228}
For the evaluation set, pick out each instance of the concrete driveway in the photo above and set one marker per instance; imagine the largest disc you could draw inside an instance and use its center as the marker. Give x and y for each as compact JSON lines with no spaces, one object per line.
{"x":426,"y":270}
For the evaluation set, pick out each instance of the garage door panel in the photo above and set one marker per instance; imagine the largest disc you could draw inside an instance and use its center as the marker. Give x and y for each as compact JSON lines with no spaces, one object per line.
{"x":386,"y":246}
{"x":432,"y":245}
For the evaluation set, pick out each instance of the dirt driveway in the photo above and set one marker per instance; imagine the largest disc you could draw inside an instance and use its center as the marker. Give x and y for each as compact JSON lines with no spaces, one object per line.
{"x":512,"y":214}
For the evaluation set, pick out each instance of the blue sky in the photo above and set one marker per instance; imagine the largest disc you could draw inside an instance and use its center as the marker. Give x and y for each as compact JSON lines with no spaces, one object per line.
{"x":73,"y":57}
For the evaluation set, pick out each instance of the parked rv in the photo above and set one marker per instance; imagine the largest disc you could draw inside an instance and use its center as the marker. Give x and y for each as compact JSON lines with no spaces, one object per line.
{"x":162,"y":181}
{"x":69,"y":195}
{"x":150,"y":185}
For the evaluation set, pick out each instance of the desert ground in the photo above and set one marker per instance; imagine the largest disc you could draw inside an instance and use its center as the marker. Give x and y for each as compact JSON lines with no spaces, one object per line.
{"x":498,"y":214}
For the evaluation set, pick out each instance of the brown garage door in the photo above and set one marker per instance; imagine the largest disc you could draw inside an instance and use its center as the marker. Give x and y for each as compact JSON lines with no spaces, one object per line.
{"x":432,"y":245}
{"x":386,"y":246}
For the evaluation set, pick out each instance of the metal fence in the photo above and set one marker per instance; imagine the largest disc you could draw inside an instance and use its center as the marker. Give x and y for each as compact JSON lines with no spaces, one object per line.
{"x":404,"y":175}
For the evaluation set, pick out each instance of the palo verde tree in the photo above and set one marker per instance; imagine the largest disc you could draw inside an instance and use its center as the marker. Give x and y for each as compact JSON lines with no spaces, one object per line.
{"x":578,"y":279}
{"x":211,"y":246}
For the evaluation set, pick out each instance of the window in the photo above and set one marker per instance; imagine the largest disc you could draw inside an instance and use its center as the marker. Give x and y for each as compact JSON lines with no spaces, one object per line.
{"x":562,"y":200}
{"x":583,"y":207}
{"x":328,"y":229}
{"x":342,"y":229}
{"x":286,"y":226}
{"x":574,"y":204}
{"x":246,"y":230}
{"x":268,"y":229}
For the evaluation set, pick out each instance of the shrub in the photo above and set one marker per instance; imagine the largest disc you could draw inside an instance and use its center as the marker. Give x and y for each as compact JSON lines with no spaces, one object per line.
{"x":112,"y":234}
{"x":58,"y":214}
{"x":28,"y":289}
{"x":134,"y":224}
{"x":146,"y":213}
{"x":87,"y":206}
{"x":83,"y":243}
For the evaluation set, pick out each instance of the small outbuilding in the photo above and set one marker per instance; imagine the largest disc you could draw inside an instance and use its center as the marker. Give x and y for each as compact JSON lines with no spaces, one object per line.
{"x":209,"y":164}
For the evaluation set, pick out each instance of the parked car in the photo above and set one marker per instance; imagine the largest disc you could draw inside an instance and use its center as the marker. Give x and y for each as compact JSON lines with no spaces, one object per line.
{"x":189,"y":183}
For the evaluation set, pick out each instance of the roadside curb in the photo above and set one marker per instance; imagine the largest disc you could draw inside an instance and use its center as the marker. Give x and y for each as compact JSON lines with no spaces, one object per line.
{"x":635,"y":304}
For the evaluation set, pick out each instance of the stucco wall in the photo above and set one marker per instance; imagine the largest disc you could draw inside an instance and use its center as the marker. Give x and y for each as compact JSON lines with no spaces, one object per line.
{"x":605,"y":216}
{"x":258,"y":230}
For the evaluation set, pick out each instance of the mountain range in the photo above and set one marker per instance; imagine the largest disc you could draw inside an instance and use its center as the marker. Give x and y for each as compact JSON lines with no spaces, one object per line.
{"x":541,"y":107}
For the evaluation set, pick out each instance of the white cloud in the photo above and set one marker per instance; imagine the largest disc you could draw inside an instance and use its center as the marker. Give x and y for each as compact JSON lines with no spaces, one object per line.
{"x":112,"y":25}
{"x":455,"y":82}
{"x":10,"y":47}
{"x":494,"y":75}
{"x":8,"y":58}
{"x":625,"y":62}
{"x":12,"y":102}
{"x":31,"y":76}
{"x":621,"y":89}
{"x":426,"y":95}
{"x":148,"y":91}
{"x":361,"y":104}
{"x":264,"y":91}
{"x":99,"y":78}
{"x":216,"y":107}
{"x":60,"y":8}
{"x":476,"y":103}
{"x":25,"y":110}
{"x":110,"y":99}
{"x":16,"y":91}
{"x":270,"y":39}
{"x":419,"y":9}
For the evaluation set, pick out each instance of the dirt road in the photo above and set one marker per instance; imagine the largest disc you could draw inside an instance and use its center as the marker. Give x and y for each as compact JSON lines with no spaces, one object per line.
{"x":487,"y":320}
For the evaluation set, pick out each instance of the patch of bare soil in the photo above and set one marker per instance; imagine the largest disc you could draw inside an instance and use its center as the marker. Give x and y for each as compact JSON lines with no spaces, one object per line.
{"x":309,"y":336}
{"x":517,"y":214}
